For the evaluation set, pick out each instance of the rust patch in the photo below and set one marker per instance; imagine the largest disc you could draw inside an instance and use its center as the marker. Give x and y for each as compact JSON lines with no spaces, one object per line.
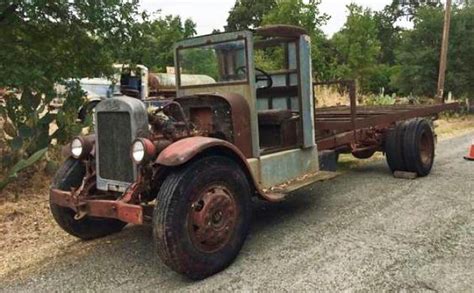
{"x":212,"y":218}
{"x":129,"y":213}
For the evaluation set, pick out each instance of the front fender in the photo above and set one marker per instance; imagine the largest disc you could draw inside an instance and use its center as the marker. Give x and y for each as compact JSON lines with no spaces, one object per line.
{"x":184,"y":150}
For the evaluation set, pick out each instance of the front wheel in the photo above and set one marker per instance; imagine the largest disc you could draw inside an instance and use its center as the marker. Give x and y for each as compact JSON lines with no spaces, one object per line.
{"x":202,"y":217}
{"x":68,"y":177}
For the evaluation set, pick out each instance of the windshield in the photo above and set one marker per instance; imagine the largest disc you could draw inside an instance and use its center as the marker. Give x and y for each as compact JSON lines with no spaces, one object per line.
{"x":211,"y":64}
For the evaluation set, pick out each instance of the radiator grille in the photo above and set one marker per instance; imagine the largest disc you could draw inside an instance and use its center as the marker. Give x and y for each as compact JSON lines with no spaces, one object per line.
{"x":114,"y":138}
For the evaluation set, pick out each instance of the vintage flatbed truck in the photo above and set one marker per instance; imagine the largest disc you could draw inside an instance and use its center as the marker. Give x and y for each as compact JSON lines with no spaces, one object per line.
{"x":190,"y":165}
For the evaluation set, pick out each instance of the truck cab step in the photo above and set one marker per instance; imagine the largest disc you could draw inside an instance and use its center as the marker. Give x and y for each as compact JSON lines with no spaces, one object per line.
{"x":280,"y":192}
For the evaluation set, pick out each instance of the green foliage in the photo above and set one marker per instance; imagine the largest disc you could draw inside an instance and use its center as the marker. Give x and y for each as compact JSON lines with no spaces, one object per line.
{"x":380,"y":100}
{"x":269,"y":59}
{"x":248,"y":14}
{"x":58,"y":42}
{"x":358,"y":46}
{"x":297,"y":12}
{"x":25,"y":126}
{"x":305,"y":14}
{"x":46,"y":43}
{"x":388,"y":32}
{"x":418,"y":54}
{"x":460,"y":73}
{"x":371,"y":47}
{"x":27,"y":119}
{"x":151,"y":41}
{"x":20,"y":166}
{"x":379,"y":77}
{"x":66,"y":118}
{"x":49,"y":41}
{"x":200,"y":61}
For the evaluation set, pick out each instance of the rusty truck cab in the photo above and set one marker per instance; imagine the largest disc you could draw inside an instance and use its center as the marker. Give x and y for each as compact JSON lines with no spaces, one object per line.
{"x":265,"y":79}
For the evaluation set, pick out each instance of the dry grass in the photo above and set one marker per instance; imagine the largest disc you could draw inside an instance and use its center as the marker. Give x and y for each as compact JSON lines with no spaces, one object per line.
{"x":449,"y":127}
{"x":28,"y":231}
{"x":330,"y":96}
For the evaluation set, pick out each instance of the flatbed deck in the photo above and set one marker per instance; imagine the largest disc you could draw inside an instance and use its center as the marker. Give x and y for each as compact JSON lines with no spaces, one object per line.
{"x":356,"y":128}
{"x":343,"y":125}
{"x":341,"y":119}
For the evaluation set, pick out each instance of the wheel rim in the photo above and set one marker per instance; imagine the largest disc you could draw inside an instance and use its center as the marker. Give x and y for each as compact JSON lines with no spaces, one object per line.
{"x":426,"y":148}
{"x":212,"y":218}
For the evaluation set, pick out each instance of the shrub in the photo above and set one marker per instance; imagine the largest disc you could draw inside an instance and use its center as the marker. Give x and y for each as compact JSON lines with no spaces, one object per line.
{"x":27,"y":130}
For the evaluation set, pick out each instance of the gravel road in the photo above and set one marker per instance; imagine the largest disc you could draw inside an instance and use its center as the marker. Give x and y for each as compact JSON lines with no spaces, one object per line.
{"x":364,"y":230}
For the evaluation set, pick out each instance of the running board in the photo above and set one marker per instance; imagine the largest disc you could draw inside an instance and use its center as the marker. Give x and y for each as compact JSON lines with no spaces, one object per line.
{"x":280,"y":192}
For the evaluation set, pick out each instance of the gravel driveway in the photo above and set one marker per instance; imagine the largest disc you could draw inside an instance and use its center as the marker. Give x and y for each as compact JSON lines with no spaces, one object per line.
{"x":364,"y":230}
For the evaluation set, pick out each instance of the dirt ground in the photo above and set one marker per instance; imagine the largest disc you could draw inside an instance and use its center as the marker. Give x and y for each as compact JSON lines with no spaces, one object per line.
{"x":363,"y":230}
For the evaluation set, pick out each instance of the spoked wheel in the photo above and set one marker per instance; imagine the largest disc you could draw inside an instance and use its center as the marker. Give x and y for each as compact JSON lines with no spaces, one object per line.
{"x":202,"y":217}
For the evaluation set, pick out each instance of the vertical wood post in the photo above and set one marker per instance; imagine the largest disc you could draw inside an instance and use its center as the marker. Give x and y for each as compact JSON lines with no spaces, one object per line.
{"x":444,"y":52}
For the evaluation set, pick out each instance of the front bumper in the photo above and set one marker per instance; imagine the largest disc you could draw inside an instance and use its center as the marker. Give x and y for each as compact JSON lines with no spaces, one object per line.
{"x":113,"y":209}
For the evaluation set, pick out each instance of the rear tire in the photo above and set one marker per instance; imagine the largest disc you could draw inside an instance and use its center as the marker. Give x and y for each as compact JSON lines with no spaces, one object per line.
{"x":202,"y":217}
{"x":394,"y":148}
{"x":419,"y":147}
{"x":69,"y":176}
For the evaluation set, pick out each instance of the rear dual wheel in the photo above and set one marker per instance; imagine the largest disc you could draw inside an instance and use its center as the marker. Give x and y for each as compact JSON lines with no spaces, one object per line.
{"x":202,"y":217}
{"x":410,"y":147}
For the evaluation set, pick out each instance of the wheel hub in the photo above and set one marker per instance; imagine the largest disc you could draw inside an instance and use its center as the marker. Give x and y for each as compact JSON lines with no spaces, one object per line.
{"x":426,"y":148}
{"x":212,"y":218}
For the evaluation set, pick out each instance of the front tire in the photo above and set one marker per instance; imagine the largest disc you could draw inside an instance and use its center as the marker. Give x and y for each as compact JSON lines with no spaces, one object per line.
{"x":70,"y":176}
{"x":202,"y":217}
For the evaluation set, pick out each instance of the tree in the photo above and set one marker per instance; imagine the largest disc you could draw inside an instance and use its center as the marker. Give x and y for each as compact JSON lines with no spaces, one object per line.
{"x":388,"y":32}
{"x":46,"y":43}
{"x":409,"y":8}
{"x":248,"y":14}
{"x":460,"y":73}
{"x":358,"y":47}
{"x":38,"y":53}
{"x":419,"y":53}
{"x":308,"y":16}
{"x":152,"y":40}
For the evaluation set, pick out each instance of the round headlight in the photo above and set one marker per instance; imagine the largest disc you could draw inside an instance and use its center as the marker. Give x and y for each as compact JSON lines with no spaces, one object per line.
{"x":138,"y":151}
{"x":76,"y":148}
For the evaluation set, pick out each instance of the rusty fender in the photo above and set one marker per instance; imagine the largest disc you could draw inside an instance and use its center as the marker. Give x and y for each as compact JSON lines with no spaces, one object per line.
{"x":184,"y":150}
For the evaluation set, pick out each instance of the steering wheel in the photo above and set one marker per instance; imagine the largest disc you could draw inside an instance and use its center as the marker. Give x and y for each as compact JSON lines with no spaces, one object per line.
{"x":262,"y":76}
